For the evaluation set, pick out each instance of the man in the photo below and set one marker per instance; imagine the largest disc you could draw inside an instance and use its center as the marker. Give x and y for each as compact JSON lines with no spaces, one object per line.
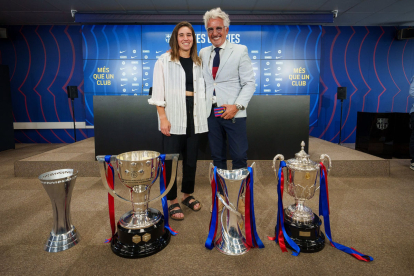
{"x":230,"y":83}
{"x":412,"y":125}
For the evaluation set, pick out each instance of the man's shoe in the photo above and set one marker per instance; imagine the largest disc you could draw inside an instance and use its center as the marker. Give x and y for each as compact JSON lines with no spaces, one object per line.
{"x":412,"y":166}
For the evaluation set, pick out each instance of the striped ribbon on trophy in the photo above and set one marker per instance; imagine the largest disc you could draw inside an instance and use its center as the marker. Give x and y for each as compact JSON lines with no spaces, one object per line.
{"x":280,"y":232}
{"x":110,"y":178}
{"x":163,"y":187}
{"x":324,"y":211}
{"x":214,"y":214}
{"x":252,"y":238}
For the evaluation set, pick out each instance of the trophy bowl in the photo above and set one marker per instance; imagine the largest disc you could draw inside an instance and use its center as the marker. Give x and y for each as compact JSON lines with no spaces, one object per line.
{"x":301,"y":224}
{"x":301,"y":176}
{"x":137,"y":171}
{"x":141,"y":231}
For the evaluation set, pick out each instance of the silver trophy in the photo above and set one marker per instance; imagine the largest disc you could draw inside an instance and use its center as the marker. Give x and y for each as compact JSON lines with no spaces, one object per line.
{"x":303,"y":226}
{"x":231,"y":240}
{"x":59,"y":186}
{"x":141,"y":231}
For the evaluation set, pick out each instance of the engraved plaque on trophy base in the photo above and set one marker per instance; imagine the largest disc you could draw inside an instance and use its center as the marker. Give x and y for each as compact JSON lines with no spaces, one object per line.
{"x":139,"y":243}
{"x":308,"y":237}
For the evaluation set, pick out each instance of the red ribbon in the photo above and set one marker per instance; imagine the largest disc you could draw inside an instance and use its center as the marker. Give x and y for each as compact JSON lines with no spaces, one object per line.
{"x":214,"y":200}
{"x":282,"y":219}
{"x":248,"y":228}
{"x":111,"y":203}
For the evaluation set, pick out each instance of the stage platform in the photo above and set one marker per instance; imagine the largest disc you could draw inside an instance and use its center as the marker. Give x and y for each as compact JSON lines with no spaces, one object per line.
{"x":346,"y":162}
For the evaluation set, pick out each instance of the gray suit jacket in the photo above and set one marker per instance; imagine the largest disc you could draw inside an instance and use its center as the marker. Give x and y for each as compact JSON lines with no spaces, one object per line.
{"x":235,"y":82}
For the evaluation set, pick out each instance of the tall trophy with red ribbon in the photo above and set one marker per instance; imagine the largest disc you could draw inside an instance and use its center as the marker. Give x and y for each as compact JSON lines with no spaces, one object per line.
{"x":237,"y":216}
{"x":298,"y":228}
{"x":143,"y":231}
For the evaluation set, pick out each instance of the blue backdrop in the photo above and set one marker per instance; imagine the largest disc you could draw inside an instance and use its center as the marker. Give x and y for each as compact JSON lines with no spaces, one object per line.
{"x":286,"y":60}
{"x":43,"y":60}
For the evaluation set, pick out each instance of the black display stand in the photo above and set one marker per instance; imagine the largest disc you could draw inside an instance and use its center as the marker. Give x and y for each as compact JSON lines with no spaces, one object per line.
{"x":275,"y":124}
{"x":385,"y":135}
{"x":308,"y":237}
{"x":6,"y":111}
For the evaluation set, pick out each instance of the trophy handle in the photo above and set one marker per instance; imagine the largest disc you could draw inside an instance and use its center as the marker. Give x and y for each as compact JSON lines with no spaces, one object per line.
{"x":278,"y":156}
{"x":211,"y":172}
{"x":228,"y":206}
{"x":103,"y":168}
{"x":325,"y":156}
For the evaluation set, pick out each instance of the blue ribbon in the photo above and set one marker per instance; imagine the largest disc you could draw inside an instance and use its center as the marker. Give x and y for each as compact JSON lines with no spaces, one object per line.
{"x":324,"y":211}
{"x":296,"y":249}
{"x":209,"y":244}
{"x":164,"y":199}
{"x":256,"y":242}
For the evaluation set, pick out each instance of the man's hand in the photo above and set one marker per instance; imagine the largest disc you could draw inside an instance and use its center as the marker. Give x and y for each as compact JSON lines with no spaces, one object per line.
{"x":165,"y":126}
{"x":230,"y":112}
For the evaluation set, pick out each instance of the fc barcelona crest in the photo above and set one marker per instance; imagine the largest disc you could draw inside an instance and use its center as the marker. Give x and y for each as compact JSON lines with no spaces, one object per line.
{"x":382,"y":123}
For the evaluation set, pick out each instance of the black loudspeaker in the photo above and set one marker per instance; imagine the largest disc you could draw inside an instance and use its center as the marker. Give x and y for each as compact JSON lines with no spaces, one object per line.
{"x":405,"y":34}
{"x":341,"y":93}
{"x":6,"y":110}
{"x":72,"y":92}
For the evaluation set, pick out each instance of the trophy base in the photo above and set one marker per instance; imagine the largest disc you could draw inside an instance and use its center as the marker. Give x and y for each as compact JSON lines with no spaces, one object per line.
{"x":232,"y":245}
{"x":140,"y":243}
{"x":308,"y":237}
{"x":61,"y":242}
{"x":303,"y":215}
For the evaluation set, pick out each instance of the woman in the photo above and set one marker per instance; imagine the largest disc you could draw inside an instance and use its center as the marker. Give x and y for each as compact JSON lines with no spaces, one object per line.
{"x":178,"y":92}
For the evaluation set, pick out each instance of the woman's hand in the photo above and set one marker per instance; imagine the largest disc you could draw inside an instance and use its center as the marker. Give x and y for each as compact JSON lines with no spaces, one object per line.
{"x":165,"y":126}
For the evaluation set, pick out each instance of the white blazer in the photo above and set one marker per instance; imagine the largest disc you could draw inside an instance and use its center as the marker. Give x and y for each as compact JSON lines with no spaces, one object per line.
{"x":235,"y":82}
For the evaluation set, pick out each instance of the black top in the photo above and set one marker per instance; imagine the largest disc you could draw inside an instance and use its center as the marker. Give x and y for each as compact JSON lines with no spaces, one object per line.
{"x":187,"y":64}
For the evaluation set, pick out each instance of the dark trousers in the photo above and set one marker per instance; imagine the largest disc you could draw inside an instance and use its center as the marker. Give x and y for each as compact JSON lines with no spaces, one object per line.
{"x":234,"y":131}
{"x":219,"y":132}
{"x":187,"y":146}
{"x":412,"y":137}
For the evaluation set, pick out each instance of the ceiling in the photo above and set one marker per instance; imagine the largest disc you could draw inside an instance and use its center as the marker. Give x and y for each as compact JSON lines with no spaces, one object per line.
{"x":350,"y":12}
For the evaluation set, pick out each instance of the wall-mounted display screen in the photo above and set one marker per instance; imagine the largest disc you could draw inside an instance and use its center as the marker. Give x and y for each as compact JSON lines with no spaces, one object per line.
{"x":119,"y":59}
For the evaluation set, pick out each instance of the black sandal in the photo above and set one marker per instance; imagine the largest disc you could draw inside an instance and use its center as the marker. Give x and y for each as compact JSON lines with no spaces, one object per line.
{"x":187,"y":203}
{"x":171,"y":212}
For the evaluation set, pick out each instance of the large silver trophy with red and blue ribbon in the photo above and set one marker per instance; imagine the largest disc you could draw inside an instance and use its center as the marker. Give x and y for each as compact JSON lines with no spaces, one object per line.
{"x":237,"y":216}
{"x":297,"y":227}
{"x":143,"y":231}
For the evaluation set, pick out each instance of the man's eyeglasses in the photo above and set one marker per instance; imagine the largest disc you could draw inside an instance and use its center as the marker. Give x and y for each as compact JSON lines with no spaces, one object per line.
{"x":218,"y":29}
